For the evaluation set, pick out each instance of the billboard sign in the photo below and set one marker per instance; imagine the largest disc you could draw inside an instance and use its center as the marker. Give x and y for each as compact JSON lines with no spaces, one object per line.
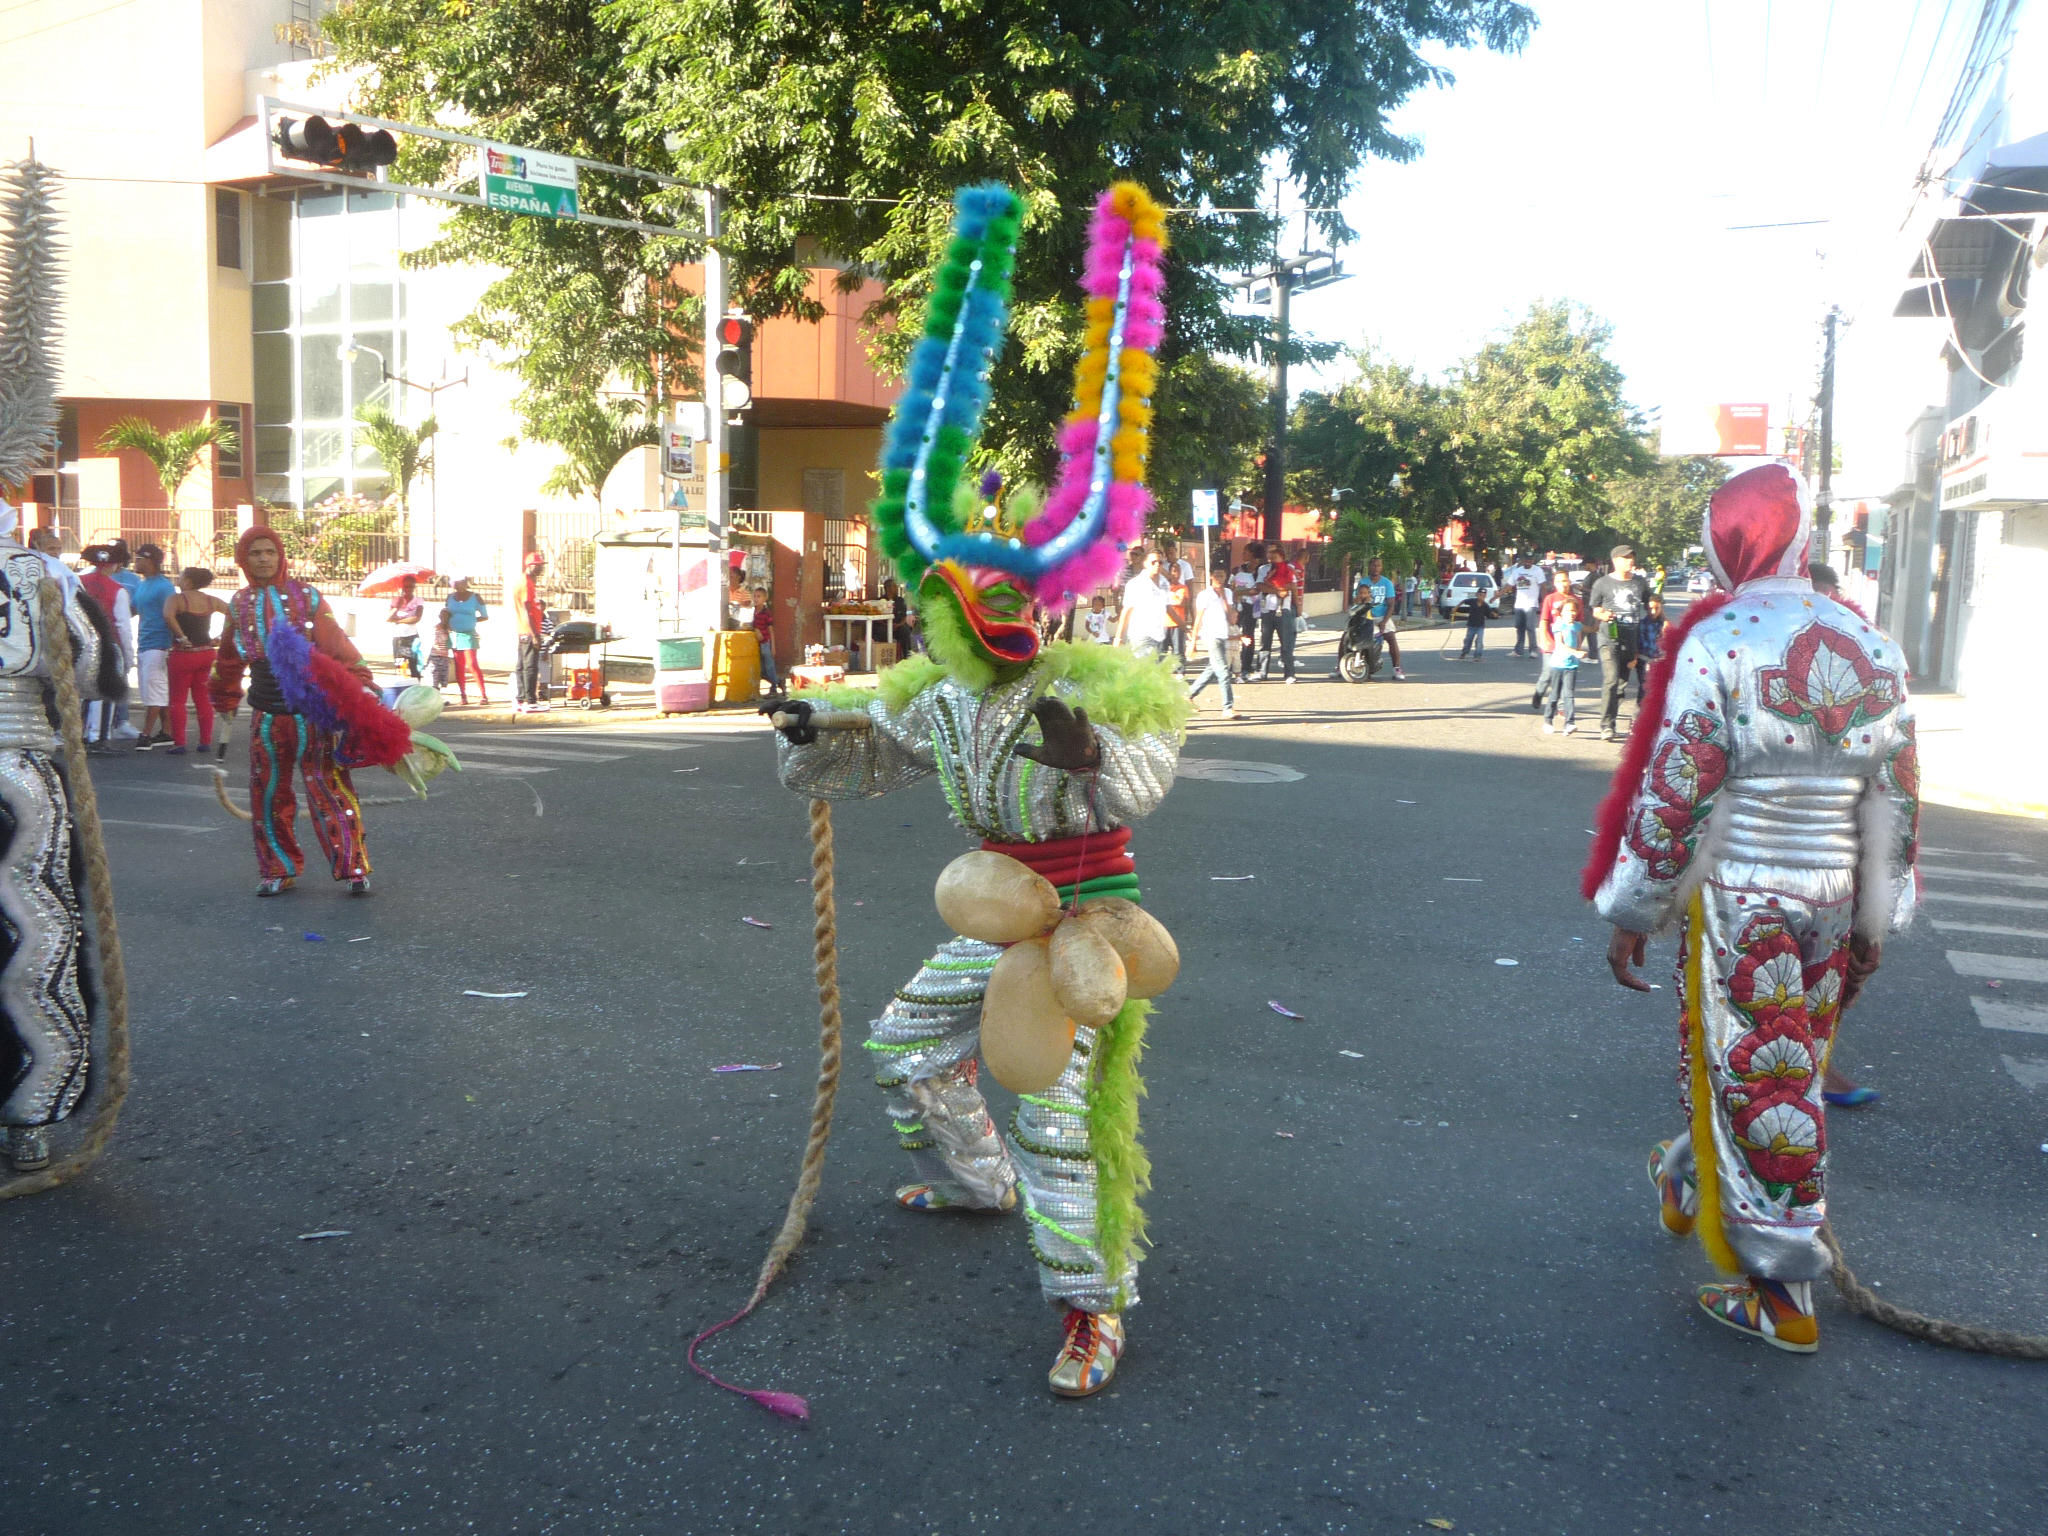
{"x":1742,"y":430}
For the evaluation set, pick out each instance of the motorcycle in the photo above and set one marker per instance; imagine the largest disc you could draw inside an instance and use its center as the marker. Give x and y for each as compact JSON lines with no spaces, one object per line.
{"x":1362,"y":648}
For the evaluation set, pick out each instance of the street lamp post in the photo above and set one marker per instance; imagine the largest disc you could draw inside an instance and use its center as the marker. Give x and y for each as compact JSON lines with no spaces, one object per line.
{"x":355,"y":349}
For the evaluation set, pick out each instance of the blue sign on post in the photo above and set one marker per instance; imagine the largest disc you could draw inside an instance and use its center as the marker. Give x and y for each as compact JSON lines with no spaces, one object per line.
{"x":1205,"y":509}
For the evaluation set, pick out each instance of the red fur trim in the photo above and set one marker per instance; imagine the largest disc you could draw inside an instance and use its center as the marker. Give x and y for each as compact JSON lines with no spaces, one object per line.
{"x":371,"y":734}
{"x":1642,"y":739}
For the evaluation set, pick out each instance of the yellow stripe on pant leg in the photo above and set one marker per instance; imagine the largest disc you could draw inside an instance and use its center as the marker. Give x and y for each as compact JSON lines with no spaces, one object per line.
{"x":1706,"y":1156}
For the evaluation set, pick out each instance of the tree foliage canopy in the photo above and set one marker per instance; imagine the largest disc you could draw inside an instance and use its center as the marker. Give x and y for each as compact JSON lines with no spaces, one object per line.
{"x":840,"y":129}
{"x":1528,"y":440}
{"x":1661,"y":511}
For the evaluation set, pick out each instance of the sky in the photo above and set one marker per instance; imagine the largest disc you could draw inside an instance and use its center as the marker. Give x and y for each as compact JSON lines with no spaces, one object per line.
{"x":1609,"y":163}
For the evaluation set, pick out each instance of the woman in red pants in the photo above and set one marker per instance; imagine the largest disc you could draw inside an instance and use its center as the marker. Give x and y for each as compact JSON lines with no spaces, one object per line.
{"x":189,"y":613}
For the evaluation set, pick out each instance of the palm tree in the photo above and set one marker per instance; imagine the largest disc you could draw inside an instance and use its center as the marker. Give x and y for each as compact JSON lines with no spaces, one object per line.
{"x":400,"y":447}
{"x":174,"y":454}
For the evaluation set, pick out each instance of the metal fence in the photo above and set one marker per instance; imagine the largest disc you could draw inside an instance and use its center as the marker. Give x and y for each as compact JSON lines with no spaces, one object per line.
{"x":568,"y":540}
{"x":195,"y":540}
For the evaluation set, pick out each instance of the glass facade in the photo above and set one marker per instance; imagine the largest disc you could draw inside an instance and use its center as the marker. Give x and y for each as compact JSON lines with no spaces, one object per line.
{"x":326,"y":278}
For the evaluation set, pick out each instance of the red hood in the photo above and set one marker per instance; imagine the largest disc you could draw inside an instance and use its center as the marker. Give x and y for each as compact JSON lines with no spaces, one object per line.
{"x":251,"y":535}
{"x":1758,"y":525}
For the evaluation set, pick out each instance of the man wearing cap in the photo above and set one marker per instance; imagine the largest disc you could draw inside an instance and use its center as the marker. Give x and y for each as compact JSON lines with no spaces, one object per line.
{"x":532,"y":617}
{"x":1618,"y":600}
{"x":153,"y":640}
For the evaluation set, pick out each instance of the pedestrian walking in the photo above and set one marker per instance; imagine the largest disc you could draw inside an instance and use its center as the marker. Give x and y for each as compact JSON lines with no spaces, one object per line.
{"x":189,"y":612}
{"x":531,"y":617}
{"x":1179,"y":601}
{"x":112,"y":600}
{"x":1782,"y":722}
{"x":440,"y":651}
{"x":404,"y":616}
{"x":464,"y":610}
{"x":1142,"y":624}
{"x":1526,"y":578}
{"x":1279,"y":590}
{"x":1476,"y":610}
{"x":1101,"y":628}
{"x":149,"y":595}
{"x":1244,"y":590}
{"x":1558,"y":691}
{"x":1619,"y":600}
{"x":1649,"y":642}
{"x":1215,"y":618}
{"x":763,"y":620}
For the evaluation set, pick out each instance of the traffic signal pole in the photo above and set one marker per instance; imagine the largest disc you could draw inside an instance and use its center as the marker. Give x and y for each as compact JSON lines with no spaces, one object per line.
{"x":715,"y":438}
{"x":1824,"y":499}
{"x":1311,"y":269}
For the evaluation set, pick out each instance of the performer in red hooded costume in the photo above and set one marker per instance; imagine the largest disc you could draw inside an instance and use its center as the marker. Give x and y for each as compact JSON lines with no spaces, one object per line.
{"x":313,"y":710}
{"x":1769,"y":803}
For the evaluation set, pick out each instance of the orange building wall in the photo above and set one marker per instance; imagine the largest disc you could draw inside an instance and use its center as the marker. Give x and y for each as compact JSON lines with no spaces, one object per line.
{"x":132,"y":475}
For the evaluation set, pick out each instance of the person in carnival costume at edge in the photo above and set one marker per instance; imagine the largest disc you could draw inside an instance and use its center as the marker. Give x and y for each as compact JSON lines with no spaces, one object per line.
{"x":313,"y":708}
{"x":1047,"y":755}
{"x":1769,"y":802}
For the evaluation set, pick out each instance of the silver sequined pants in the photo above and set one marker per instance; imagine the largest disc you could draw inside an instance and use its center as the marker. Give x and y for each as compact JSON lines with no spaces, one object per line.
{"x":40,"y":1001}
{"x":924,"y":1048}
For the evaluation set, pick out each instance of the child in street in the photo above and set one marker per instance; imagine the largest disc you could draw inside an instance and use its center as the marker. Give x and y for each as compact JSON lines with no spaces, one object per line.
{"x":1477,"y":610}
{"x":1561,"y":666}
{"x":1100,"y":629}
{"x":439,"y":650}
{"x":1649,"y":642}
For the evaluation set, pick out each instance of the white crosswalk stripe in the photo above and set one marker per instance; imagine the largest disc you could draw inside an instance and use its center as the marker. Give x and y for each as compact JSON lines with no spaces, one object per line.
{"x":1970,"y":962}
{"x":1986,"y":905}
{"x":465,"y":750}
{"x":470,"y":765}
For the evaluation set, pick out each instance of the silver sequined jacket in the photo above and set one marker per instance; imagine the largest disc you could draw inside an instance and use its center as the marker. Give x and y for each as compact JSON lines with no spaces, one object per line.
{"x":1786,"y":745}
{"x":26,"y":652}
{"x":969,"y":739}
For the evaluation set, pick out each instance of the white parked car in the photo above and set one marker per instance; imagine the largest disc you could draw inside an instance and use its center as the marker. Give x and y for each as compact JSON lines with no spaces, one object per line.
{"x":1700,"y":581}
{"x":1464,"y":584}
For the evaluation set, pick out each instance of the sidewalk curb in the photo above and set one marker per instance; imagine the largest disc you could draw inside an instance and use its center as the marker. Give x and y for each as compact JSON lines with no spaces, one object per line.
{"x":1955,"y":799}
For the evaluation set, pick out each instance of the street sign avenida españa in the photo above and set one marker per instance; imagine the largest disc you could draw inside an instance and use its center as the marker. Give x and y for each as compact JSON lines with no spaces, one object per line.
{"x":524,"y":181}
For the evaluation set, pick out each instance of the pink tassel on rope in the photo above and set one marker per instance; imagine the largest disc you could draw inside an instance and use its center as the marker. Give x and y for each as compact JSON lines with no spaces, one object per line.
{"x":788,"y":1404}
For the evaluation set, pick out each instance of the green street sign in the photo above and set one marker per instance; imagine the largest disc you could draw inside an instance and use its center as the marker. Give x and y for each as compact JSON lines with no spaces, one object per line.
{"x":526,"y":181}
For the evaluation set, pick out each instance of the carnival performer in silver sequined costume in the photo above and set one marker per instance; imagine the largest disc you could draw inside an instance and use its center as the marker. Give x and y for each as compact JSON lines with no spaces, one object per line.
{"x":45,"y":1021}
{"x":1770,"y":803}
{"x":1047,"y":756}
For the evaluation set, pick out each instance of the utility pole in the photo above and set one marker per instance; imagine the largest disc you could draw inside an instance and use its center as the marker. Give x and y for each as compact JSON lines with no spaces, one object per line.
{"x":1824,"y":499}
{"x":1286,"y":277}
{"x":714,"y":413}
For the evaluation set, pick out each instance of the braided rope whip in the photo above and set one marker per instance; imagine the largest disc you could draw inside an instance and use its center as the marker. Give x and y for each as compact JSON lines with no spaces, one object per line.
{"x":85,"y":813}
{"x":1935,"y":1330}
{"x":825,"y":965}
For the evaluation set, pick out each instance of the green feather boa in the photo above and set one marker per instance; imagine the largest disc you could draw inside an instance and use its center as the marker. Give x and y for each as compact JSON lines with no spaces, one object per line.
{"x":1117,"y":689}
{"x":1123,"y":1172}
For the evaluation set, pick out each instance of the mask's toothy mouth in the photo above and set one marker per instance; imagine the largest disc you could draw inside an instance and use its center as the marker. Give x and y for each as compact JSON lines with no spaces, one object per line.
{"x":997,"y":611}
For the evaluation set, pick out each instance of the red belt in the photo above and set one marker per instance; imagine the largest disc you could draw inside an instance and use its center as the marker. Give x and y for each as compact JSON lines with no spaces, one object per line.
{"x":1070,"y":860}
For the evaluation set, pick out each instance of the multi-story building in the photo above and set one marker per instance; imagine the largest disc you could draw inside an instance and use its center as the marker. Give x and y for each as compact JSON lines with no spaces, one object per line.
{"x":201,"y":283}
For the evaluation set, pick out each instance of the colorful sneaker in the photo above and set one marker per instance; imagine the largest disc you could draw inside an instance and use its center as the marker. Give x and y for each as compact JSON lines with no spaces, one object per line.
{"x":950,"y":1197}
{"x":360,"y":886}
{"x":1678,"y":1200}
{"x":273,"y":887}
{"x":1780,"y":1312}
{"x":1094,"y":1342}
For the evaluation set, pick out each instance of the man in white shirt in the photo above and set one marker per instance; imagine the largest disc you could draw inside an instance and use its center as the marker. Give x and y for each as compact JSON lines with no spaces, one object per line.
{"x":1215,"y":618}
{"x":1527,"y":579}
{"x":1142,"y":624}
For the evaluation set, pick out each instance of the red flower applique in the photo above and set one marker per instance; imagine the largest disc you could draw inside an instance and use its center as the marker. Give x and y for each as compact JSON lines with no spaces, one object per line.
{"x":1781,"y":1138}
{"x":1827,"y":682}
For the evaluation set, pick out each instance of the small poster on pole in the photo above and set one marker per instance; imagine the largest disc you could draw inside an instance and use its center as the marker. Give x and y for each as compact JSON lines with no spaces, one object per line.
{"x":1205,"y":508}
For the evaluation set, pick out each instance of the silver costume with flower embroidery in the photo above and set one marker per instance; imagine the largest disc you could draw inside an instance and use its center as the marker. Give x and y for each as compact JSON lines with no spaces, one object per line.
{"x":45,"y":1025}
{"x":924,"y":1044}
{"x":1778,"y":814}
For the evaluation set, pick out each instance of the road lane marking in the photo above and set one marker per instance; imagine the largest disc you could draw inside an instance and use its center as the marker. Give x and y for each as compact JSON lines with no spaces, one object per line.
{"x":514,"y":768}
{"x":2013,"y":1016}
{"x":485,"y":750}
{"x":192,"y":791}
{"x":1991,"y":928}
{"x":608,"y":738}
{"x":2030,"y":882}
{"x":1970,"y":962}
{"x":155,"y":826}
{"x":2032,"y":1071}
{"x":1954,"y":899}
{"x":1975,"y":853}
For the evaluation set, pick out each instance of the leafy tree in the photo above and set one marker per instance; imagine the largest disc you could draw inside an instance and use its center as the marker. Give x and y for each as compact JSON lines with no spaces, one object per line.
{"x":400,"y":448}
{"x":1661,"y":510}
{"x":1357,"y":536}
{"x":1389,"y":438}
{"x":594,"y":435}
{"x":1209,"y":417}
{"x":173,"y":454}
{"x":841,"y":128}
{"x":1544,"y":430}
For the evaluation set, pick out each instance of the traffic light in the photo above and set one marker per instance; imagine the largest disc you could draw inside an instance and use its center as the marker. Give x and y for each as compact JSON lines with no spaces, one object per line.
{"x":735,"y":346}
{"x":351,"y":147}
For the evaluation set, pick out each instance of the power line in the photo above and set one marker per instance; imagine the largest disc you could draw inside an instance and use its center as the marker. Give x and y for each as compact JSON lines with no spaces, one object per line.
{"x":1905,"y":52}
{"x":1933,"y":47}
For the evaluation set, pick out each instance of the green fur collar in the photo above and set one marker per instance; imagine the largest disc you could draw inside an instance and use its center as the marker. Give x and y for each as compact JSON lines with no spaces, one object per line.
{"x":1116,"y":688}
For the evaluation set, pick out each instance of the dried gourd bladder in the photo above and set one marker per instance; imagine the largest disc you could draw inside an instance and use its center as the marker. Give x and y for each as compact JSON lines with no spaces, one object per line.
{"x":1151,"y":958}
{"x":1087,"y":974}
{"x":1026,"y":1036}
{"x":995,"y":898}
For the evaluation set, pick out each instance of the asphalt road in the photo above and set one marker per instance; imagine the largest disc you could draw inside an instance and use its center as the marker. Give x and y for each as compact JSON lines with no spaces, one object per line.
{"x":1406,"y":1269}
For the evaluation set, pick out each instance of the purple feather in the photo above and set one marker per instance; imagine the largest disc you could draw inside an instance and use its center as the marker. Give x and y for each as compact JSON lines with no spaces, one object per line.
{"x":291,"y":662}
{"x":991,"y":482}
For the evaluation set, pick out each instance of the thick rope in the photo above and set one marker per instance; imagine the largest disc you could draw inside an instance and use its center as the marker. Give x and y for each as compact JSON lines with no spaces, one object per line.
{"x":1935,"y":1330}
{"x":825,"y":965}
{"x":220,"y":793}
{"x":113,"y":978}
